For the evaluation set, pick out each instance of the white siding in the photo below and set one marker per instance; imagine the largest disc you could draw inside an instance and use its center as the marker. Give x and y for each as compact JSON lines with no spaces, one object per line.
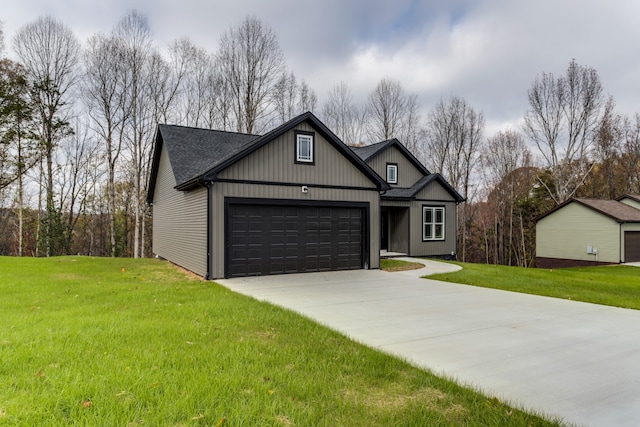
{"x":631,"y":202}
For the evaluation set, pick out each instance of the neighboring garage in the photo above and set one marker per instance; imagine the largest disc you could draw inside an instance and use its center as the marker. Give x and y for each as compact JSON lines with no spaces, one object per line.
{"x":266,"y":238}
{"x":632,"y":246}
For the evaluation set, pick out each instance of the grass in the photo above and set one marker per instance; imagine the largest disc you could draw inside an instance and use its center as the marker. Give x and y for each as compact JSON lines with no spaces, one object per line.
{"x":617,"y":286}
{"x":398,"y":265}
{"x":122,"y":342}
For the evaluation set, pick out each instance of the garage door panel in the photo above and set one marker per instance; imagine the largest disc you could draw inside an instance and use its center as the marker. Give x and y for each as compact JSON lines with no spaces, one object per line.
{"x":632,"y":246}
{"x":276,"y":239}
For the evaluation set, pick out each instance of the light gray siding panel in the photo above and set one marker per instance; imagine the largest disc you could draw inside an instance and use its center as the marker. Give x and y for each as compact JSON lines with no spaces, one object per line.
{"x":408,"y":174}
{"x":434,"y":191}
{"x":275,"y":162}
{"x":220,"y":190}
{"x":567,"y":232}
{"x":434,"y":247}
{"x":179,"y":221}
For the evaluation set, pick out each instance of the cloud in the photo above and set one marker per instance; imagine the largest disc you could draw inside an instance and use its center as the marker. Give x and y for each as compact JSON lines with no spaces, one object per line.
{"x":486,"y":51}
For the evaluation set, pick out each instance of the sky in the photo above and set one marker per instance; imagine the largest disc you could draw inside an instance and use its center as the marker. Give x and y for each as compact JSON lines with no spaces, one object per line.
{"x":486,"y":51}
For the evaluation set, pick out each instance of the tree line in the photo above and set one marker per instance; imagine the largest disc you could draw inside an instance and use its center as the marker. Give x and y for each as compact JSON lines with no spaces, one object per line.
{"x":77,"y":122}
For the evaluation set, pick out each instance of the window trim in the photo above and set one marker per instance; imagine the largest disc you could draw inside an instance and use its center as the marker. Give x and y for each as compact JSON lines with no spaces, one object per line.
{"x":434,"y":223}
{"x":392,"y":166}
{"x":297,"y":159}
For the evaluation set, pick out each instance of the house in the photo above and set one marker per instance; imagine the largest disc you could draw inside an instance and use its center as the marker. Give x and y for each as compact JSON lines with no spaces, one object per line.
{"x":419,"y":211}
{"x":583,"y":232}
{"x":296,"y":199}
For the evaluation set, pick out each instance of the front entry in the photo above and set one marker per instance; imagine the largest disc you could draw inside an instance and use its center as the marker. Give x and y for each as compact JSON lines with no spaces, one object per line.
{"x":394,"y":235}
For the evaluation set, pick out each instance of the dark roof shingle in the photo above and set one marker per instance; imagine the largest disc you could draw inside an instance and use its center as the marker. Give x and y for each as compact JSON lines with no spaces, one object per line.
{"x":193,"y":151}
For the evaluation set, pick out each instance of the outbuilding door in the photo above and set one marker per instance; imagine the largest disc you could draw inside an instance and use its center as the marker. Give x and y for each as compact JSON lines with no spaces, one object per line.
{"x":263,"y":238}
{"x":632,"y":246}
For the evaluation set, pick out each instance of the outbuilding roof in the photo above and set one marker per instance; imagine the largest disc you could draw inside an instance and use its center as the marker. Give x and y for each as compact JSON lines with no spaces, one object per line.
{"x":613,"y":209}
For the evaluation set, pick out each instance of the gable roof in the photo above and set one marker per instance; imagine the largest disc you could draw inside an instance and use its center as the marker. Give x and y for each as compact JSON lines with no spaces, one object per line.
{"x":368,"y":152}
{"x":634,"y":197}
{"x":613,"y":209}
{"x":198,"y":155}
{"x":397,"y":193}
{"x":192,"y":150}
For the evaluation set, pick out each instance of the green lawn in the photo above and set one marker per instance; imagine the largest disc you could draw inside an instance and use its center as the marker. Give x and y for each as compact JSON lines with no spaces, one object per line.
{"x":609,"y":285}
{"x":122,"y":342}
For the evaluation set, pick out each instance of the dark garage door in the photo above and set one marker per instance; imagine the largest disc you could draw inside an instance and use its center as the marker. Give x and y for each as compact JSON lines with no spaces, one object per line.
{"x":267,"y":239}
{"x":632,"y":246}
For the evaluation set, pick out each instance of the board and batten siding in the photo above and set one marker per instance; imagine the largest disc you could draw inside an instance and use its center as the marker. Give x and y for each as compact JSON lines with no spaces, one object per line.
{"x":433,"y":195}
{"x":275,"y":162}
{"x":408,"y":174}
{"x":220,"y":190}
{"x":179,"y":221}
{"x":566,"y":233}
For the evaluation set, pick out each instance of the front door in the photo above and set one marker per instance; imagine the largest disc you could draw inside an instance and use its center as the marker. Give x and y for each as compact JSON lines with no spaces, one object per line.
{"x":384,"y":231}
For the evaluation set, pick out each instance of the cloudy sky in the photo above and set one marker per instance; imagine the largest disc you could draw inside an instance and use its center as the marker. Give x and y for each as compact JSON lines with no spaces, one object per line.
{"x":485,"y":51}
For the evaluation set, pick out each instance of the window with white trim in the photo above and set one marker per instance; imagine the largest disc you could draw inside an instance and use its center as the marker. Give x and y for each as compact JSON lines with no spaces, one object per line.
{"x":392,"y":173}
{"x":304,"y":148}
{"x":433,"y":223}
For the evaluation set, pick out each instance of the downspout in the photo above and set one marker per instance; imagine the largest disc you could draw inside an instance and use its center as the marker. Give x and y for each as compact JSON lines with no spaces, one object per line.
{"x":209,"y":228}
{"x":620,"y":241}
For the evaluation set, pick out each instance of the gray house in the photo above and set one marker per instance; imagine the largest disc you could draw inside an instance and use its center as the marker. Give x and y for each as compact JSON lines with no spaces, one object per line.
{"x":296,"y":199}
{"x":419,"y":211}
{"x":583,"y":232}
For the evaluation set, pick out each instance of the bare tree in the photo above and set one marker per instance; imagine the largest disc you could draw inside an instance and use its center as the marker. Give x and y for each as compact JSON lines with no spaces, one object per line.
{"x":393,"y":113}
{"x":106,"y":88}
{"x":564,"y":113}
{"x":343,"y":116}
{"x":1,"y":38}
{"x":251,"y":62}
{"x":631,"y":154}
{"x":77,"y":159}
{"x":50,"y":53}
{"x":188,"y":81}
{"x":134,"y":32}
{"x":285,"y":96}
{"x":453,"y":137}
{"x":504,"y":163}
{"x":307,"y":99}
{"x":291,"y":98}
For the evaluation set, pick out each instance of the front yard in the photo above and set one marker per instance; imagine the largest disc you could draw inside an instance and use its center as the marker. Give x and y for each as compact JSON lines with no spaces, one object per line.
{"x":617,"y":286}
{"x":122,"y":342}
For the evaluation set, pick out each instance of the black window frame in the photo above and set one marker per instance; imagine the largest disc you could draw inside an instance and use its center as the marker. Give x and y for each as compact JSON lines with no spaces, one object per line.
{"x":433,"y":223}
{"x":296,"y":144}
{"x":392,"y":165}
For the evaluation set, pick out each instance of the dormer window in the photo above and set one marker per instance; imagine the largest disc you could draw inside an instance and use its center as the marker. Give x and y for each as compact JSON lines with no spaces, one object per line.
{"x":392,"y":173}
{"x":304,"y":147}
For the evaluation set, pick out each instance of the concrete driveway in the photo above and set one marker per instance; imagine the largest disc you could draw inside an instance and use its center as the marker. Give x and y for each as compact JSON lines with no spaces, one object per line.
{"x":575,"y":360}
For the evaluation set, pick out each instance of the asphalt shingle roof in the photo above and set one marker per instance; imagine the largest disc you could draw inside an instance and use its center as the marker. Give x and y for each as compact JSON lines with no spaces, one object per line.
{"x":613,"y":208}
{"x":194,"y":151}
{"x":366,"y":152}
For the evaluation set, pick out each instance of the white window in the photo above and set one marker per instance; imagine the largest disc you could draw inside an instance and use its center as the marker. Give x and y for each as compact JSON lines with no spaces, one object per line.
{"x":392,"y":174}
{"x":304,"y":148}
{"x":432,"y":223}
